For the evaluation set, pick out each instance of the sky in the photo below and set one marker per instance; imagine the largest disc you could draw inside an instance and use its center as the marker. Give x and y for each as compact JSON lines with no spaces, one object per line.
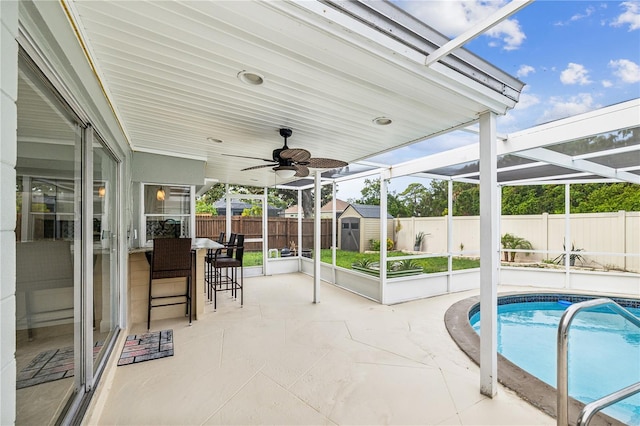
{"x":574,"y":56}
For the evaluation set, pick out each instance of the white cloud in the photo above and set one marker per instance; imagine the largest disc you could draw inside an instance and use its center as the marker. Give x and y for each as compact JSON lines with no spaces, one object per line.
{"x":575,"y":74}
{"x":578,"y":16}
{"x":631,"y":16}
{"x":527,"y":100}
{"x":588,"y":12}
{"x":561,"y":107}
{"x":510,"y":33}
{"x":453,"y":17}
{"x":521,"y":115}
{"x":606,"y":83}
{"x":525,"y":70}
{"x":626,"y":70}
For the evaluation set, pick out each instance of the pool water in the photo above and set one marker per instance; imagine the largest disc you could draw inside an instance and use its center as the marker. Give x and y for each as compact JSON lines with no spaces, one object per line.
{"x":604,"y":350}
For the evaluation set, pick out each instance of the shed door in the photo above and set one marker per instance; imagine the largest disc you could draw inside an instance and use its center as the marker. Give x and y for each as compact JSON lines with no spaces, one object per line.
{"x":350,"y":239}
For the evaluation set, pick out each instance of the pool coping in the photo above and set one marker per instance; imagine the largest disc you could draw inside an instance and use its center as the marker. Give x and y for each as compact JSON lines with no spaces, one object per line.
{"x":525,"y":385}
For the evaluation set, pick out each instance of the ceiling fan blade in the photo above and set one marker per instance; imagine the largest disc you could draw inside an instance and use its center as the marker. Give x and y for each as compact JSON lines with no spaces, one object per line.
{"x":296,"y":155}
{"x":325,"y":163}
{"x":251,"y":158}
{"x":301,"y":171}
{"x":260,"y":167}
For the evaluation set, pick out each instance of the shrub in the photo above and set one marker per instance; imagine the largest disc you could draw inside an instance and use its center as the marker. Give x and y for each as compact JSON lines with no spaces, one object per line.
{"x":375,"y":244}
{"x":510,"y":241}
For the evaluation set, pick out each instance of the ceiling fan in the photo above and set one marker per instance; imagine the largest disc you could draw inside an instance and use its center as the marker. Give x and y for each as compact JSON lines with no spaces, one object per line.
{"x":293,"y":162}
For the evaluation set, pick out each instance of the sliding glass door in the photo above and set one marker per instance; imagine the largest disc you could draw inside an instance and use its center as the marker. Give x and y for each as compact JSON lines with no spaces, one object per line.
{"x":105,"y":249}
{"x":67,"y":261}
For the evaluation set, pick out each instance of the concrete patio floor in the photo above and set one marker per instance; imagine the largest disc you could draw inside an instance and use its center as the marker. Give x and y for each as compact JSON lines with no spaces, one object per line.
{"x":285,"y":360}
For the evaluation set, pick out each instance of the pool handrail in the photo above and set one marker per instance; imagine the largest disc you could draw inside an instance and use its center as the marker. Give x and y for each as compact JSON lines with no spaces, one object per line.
{"x":562,"y":380}
{"x":593,"y":407}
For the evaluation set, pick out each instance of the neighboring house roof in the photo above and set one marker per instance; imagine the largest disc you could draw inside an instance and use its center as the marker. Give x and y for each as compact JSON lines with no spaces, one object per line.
{"x":341,"y":205}
{"x":369,"y":212}
{"x":292,"y":210}
{"x":238,"y":205}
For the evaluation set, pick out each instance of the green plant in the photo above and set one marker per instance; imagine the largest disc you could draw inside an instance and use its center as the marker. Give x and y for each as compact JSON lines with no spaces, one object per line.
{"x":203,"y":207}
{"x":404,"y":265}
{"x":364,"y":263}
{"x":513,"y":242}
{"x":375,"y":244}
{"x":573,"y":256}
{"x":389,"y":244}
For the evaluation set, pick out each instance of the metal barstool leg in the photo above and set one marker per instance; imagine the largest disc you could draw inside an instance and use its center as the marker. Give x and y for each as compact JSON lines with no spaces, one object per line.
{"x":215,"y":289}
{"x":189,"y":301}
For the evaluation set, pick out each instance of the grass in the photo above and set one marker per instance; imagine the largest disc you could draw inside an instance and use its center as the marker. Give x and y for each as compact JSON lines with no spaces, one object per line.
{"x":345,"y":259}
{"x":429,"y":265}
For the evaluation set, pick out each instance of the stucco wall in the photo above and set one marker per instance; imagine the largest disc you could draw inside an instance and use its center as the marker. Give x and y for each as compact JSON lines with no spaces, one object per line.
{"x":8,"y":149}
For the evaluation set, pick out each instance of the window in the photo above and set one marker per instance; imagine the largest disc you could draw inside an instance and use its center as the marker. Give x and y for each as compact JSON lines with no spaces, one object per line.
{"x":167,"y":211}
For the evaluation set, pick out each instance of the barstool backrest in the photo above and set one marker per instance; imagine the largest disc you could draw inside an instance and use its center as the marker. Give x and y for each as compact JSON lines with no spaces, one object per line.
{"x":171,"y":258}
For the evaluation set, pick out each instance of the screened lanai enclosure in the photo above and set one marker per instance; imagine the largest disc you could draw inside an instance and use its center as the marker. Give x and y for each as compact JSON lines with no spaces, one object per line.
{"x":125,"y":113}
{"x":565,"y":152}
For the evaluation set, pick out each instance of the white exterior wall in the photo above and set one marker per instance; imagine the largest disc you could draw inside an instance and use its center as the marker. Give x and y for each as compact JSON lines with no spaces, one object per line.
{"x":8,"y":152}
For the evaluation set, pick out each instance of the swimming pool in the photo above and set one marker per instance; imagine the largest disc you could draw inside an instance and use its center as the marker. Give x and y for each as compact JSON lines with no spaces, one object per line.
{"x":604,"y":348}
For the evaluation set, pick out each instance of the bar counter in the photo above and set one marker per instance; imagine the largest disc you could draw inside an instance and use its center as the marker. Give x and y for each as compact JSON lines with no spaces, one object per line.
{"x":138,"y":290}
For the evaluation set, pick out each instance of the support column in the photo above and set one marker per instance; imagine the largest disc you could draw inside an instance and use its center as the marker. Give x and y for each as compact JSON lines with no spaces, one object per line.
{"x":334,"y":232}
{"x":449,"y":233}
{"x":228,"y":213}
{"x":567,"y":235}
{"x":489,"y":255}
{"x":317,"y":236}
{"x":265,"y":232}
{"x":384,"y":175}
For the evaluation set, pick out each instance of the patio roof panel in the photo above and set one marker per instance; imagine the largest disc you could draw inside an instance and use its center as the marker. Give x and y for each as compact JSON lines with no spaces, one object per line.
{"x":169,"y":69}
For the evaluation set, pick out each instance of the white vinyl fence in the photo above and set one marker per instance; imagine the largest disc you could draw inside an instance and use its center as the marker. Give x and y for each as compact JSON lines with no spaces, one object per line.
{"x":606,"y":240}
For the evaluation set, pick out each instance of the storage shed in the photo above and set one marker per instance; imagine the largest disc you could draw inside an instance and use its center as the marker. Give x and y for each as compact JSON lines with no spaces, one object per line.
{"x":358,"y":225}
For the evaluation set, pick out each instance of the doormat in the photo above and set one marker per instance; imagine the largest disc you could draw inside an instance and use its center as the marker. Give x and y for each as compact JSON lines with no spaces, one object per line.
{"x":47,"y":366}
{"x":147,"y":346}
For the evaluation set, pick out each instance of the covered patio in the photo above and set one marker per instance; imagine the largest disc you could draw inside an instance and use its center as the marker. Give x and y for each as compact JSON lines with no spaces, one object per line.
{"x":284,"y":360}
{"x":127,"y":111}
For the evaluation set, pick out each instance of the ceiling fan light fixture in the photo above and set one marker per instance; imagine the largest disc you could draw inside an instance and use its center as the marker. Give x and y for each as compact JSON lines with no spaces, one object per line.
{"x":250,"y":78}
{"x":285,"y":172}
{"x":382,"y":121}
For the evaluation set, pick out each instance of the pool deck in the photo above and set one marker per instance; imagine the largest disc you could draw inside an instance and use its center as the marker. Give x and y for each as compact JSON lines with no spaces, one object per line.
{"x":285,"y":360}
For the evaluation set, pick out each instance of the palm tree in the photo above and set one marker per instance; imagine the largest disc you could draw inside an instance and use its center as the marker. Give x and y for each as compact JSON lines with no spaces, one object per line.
{"x":513,"y":242}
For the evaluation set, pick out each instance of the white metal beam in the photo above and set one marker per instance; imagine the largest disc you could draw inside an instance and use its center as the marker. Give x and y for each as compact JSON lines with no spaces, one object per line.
{"x":563,"y":160}
{"x":624,"y":115}
{"x":476,"y":30}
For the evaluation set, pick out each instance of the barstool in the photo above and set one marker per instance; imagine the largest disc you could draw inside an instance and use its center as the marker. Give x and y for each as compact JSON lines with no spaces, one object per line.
{"x":228,"y":280}
{"x":171,"y":258}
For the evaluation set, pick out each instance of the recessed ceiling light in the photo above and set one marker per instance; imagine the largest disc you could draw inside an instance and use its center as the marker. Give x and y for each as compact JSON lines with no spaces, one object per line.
{"x":382,"y":121}
{"x":214,"y":140}
{"x":251,"y":78}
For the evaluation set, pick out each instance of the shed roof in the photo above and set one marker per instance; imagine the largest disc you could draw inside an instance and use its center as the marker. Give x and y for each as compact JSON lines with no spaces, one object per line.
{"x":368,"y":212}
